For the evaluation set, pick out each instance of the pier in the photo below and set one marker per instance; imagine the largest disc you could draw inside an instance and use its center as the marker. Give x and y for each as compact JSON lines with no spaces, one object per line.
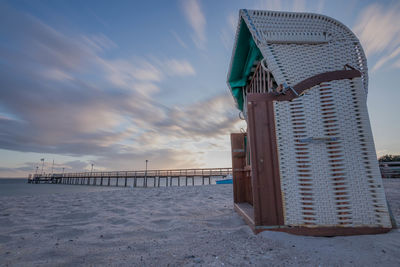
{"x":149,"y":178}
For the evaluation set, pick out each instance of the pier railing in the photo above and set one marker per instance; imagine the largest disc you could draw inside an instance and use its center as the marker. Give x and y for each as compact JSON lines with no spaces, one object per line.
{"x":142,"y":178}
{"x":390,"y":169}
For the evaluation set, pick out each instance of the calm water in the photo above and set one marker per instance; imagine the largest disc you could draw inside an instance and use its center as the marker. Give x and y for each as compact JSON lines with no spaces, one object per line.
{"x":20,"y":187}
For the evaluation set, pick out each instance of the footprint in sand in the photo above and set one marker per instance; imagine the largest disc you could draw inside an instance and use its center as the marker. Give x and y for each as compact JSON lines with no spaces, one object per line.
{"x":22,"y":231}
{"x":229,"y":222}
{"x":4,"y":239}
{"x":5,"y":221}
{"x":79,"y":216}
{"x":68,"y":233}
{"x":118,"y":221}
{"x":163,"y":224}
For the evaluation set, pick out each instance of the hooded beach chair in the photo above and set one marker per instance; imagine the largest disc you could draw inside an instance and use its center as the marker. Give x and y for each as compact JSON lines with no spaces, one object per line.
{"x":307,"y":162}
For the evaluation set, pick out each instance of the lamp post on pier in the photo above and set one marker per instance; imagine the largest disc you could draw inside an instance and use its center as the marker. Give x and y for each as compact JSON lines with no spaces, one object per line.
{"x":145,"y":174}
{"x":62,"y":176}
{"x":42,"y":160}
{"x":52,"y":168}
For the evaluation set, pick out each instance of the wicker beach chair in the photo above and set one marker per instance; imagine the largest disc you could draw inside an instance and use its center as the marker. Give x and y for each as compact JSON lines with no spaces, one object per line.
{"x":307,"y":163}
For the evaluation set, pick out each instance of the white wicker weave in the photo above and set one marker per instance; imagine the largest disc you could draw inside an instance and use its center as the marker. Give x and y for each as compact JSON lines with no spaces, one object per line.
{"x":327,"y":183}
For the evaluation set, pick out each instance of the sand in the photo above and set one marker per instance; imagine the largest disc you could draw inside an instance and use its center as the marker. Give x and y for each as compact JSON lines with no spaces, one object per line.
{"x":191,"y":226}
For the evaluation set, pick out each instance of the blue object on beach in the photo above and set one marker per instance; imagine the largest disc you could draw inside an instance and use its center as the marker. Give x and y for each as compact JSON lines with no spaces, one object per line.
{"x":225,"y":181}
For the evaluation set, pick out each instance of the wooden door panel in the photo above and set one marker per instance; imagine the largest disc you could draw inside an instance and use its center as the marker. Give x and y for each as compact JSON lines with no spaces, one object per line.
{"x":267,"y":199}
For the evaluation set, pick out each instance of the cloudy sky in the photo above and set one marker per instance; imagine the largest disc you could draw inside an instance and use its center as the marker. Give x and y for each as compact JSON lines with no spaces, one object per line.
{"x":115,"y":83}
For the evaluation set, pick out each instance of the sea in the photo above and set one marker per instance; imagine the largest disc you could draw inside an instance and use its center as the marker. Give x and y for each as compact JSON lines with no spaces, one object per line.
{"x":20,"y":186}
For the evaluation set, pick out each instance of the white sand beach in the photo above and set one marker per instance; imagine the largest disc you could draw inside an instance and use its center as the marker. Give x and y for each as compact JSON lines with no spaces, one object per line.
{"x":190,"y":226}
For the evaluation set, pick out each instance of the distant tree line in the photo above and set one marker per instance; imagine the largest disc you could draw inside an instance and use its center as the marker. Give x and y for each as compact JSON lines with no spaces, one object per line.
{"x":389,"y":158}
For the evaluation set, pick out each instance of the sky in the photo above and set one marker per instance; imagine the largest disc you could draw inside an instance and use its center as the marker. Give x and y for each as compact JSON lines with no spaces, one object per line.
{"x":113,"y":83}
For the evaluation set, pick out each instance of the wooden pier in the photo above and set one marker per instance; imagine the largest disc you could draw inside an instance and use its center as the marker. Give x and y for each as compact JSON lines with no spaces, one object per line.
{"x":149,"y":178}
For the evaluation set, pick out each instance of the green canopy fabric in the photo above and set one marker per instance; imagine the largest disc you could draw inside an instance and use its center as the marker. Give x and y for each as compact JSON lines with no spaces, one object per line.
{"x":245,"y":54}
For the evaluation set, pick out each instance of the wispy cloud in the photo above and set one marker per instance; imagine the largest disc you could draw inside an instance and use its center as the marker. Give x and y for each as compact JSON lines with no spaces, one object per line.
{"x":320,"y":6}
{"x":22,"y":169}
{"x":208,"y":118}
{"x":194,"y":15}
{"x":176,"y":67}
{"x":299,"y":5}
{"x":396,"y":64}
{"x":293,"y":5}
{"x":77,"y":101}
{"x":269,"y":4}
{"x":179,"y":39}
{"x":99,"y":42}
{"x":232,"y":21}
{"x":379,"y":33}
{"x":228,"y":30}
{"x":387,"y":58}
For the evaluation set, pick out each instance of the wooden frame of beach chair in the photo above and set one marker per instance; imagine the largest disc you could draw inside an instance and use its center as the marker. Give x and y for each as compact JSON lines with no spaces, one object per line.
{"x":307,"y":163}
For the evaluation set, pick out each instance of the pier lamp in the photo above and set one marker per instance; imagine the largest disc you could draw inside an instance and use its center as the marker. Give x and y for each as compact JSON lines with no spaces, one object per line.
{"x":145,"y":174}
{"x":42,"y":160}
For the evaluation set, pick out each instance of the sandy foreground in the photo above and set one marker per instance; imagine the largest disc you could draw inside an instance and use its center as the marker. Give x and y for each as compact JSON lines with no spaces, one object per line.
{"x":191,"y":226}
